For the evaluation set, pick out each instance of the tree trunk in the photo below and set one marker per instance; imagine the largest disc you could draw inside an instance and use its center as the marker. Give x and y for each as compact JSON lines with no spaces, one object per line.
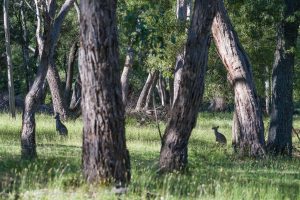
{"x":267,"y":91}
{"x":125,"y":75}
{"x":173,"y":154}
{"x":33,"y":98}
{"x":11,"y":90}
{"x":70,"y":71}
{"x":239,"y":69}
{"x":53,"y":79}
{"x":161,"y":88}
{"x":236,"y":132}
{"x":280,"y":132}
{"x":150,"y":92}
{"x":105,"y":156}
{"x":182,"y":11}
{"x":25,"y":49}
{"x":45,"y":40}
{"x":142,"y":98}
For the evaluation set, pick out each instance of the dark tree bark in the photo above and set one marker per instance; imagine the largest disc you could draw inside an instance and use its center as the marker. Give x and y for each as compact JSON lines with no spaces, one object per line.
{"x":10,"y":77}
{"x":280,"y":132}
{"x":142,"y":98}
{"x":173,"y":154}
{"x":125,"y":75}
{"x":70,"y":71}
{"x":105,"y":156}
{"x":249,"y":115}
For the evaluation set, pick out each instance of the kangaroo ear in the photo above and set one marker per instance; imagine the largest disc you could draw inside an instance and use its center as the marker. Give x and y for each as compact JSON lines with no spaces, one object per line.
{"x":217,"y":127}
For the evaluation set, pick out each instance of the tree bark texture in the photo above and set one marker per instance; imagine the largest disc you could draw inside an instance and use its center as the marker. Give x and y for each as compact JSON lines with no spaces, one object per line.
{"x":150,"y":92}
{"x":46,"y":39}
{"x":280,"y":132}
{"x":125,"y":75}
{"x":10,"y":78}
{"x":247,"y":107}
{"x":59,"y":103}
{"x":174,"y":150}
{"x":105,"y":156}
{"x":142,"y":98}
{"x":33,"y":98}
{"x":70,"y":71}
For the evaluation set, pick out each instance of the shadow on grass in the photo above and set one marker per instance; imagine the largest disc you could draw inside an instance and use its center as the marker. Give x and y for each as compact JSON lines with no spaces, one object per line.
{"x":18,"y":175}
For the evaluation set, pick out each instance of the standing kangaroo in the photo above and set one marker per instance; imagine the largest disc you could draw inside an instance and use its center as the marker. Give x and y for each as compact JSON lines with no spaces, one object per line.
{"x":60,"y":127}
{"x":220,"y":138}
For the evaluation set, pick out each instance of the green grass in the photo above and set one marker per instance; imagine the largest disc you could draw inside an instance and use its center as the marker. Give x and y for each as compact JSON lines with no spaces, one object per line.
{"x":213,"y":172}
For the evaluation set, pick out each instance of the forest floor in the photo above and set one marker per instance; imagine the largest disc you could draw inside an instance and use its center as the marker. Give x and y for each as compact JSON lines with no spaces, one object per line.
{"x":213,"y":173}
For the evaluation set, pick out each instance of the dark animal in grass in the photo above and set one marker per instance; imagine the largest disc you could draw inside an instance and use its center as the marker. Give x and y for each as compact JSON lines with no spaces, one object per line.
{"x":60,"y":127}
{"x":220,"y":138}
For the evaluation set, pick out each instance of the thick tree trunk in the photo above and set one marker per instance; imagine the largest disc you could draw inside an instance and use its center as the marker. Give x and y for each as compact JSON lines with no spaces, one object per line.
{"x":142,"y":98}
{"x":105,"y":156}
{"x":173,"y":154}
{"x":25,"y":48}
{"x":11,"y":90}
{"x":280,"y":132}
{"x":239,"y":69}
{"x":70,"y":71}
{"x":150,"y":92}
{"x":125,"y":75}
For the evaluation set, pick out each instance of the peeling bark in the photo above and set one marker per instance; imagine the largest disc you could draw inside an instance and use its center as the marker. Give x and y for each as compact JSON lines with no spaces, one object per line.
{"x":249,"y":116}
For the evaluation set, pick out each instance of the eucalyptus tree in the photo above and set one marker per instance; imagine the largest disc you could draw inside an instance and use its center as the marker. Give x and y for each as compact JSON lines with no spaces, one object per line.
{"x":280,"y":131}
{"x":105,"y":156}
{"x":47,"y":33}
{"x":11,"y":90}
{"x":174,"y":150}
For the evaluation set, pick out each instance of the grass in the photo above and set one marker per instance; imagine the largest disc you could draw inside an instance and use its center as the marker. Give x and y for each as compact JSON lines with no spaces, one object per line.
{"x":213,"y":173}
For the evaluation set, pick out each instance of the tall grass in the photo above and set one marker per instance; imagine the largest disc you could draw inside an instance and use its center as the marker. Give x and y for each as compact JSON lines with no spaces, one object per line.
{"x":213,"y":172}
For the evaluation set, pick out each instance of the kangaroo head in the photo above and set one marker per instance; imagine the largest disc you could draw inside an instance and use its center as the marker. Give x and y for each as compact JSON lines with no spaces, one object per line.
{"x":57,"y":116}
{"x":215,"y":128}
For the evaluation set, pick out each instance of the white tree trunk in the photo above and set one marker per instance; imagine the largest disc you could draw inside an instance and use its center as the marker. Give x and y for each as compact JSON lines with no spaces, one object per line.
{"x":11,"y":90}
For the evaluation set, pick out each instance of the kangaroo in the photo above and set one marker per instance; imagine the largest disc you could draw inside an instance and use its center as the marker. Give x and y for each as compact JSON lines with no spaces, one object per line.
{"x":220,"y":138}
{"x":60,"y":127}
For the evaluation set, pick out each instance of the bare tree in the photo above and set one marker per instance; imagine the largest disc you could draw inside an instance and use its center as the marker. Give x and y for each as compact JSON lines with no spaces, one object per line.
{"x":105,"y":156}
{"x":280,"y":132}
{"x":125,"y":74}
{"x":173,"y":154}
{"x":11,"y":90}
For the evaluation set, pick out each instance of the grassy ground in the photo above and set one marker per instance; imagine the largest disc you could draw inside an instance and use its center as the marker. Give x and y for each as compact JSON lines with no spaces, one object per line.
{"x":214,"y":173}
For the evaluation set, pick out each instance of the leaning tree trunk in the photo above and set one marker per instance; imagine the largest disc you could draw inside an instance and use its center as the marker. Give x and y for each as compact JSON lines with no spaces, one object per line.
{"x":45,"y":44}
{"x":161,"y":88}
{"x":70,"y":71}
{"x":280,"y":132}
{"x":142,"y":98}
{"x":247,"y":107}
{"x":173,"y":154}
{"x":105,"y":156}
{"x":11,"y":90}
{"x":267,"y":91}
{"x":125,"y":75}
{"x":150,"y":92}
{"x":33,"y":98}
